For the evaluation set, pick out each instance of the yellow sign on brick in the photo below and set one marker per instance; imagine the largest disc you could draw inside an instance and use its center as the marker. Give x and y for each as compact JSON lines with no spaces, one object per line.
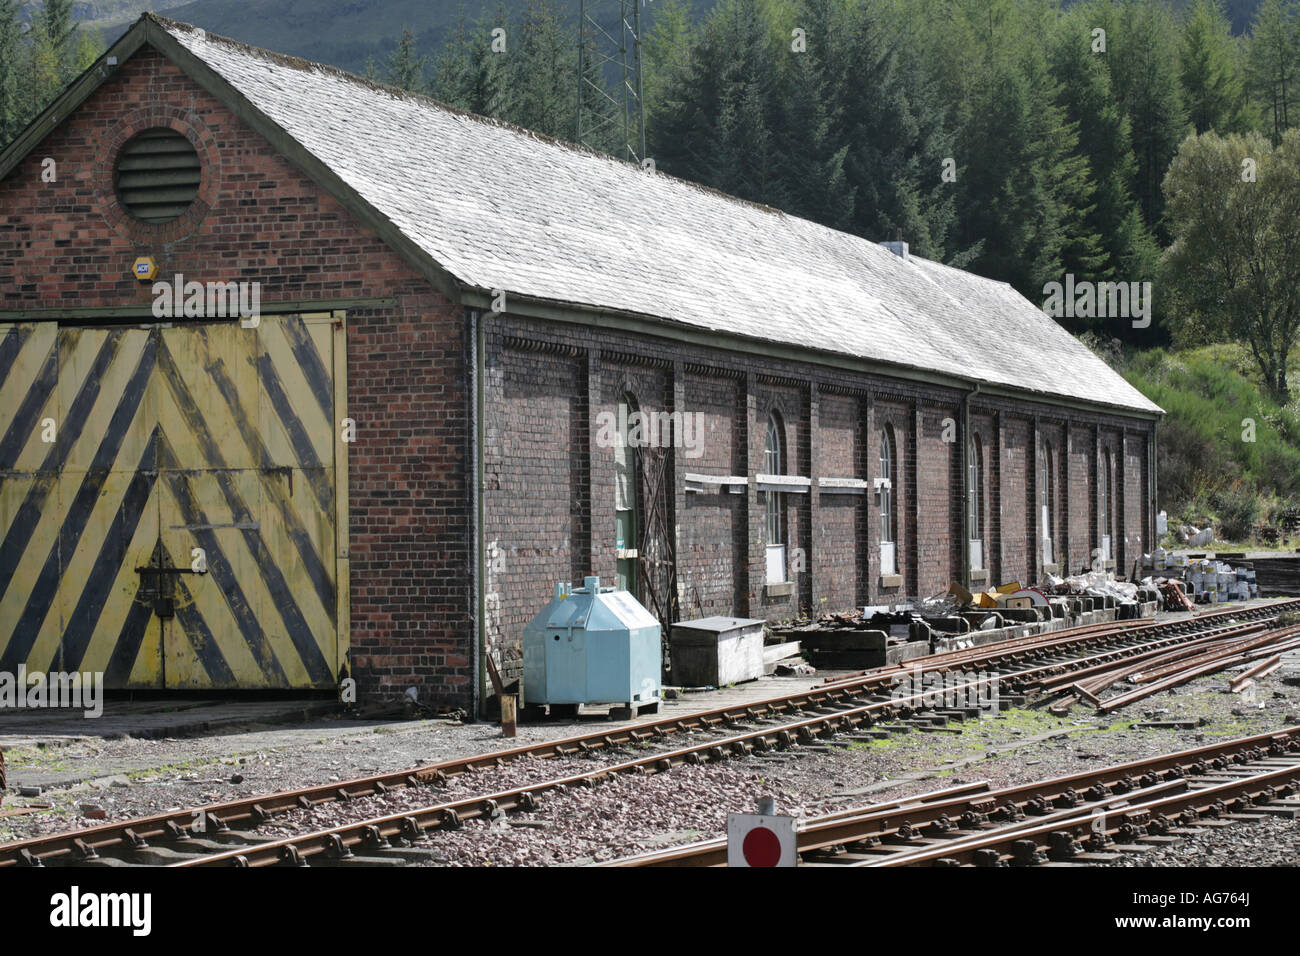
{"x":144,"y":268}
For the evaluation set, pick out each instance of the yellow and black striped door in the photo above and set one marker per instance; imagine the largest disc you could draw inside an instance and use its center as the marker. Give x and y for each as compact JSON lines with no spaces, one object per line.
{"x":169,"y":503}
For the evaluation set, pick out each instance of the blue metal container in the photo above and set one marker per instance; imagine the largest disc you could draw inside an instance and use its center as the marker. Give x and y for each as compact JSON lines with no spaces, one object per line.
{"x":593,"y":645}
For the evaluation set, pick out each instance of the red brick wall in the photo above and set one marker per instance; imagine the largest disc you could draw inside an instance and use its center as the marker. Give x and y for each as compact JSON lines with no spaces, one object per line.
{"x":259,"y":218}
{"x":940,"y":488}
{"x":1082,"y":508}
{"x":537,"y":498}
{"x":411,"y":559}
{"x":840,"y":546}
{"x":1017,"y":501}
{"x":720,"y":548}
{"x":712,"y":526}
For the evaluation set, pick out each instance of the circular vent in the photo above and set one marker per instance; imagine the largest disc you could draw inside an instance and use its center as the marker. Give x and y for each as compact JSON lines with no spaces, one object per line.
{"x":157,"y":175}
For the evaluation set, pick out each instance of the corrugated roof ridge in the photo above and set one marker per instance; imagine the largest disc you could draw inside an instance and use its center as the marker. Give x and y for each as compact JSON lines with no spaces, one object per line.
{"x":962,"y":272}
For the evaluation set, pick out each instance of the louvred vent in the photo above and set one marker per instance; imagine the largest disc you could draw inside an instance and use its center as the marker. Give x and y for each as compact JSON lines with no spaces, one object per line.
{"x":157,"y":175}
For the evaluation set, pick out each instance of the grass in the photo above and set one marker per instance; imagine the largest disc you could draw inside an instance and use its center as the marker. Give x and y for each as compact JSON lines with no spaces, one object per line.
{"x":1208,"y":393}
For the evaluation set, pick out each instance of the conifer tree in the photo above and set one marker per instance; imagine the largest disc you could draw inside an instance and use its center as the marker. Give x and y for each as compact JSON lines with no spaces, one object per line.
{"x":1208,"y":70}
{"x":10,"y":45}
{"x":1129,"y":251}
{"x":1142,"y":55}
{"x":1274,"y":63}
{"x":665,"y":55}
{"x":543,"y":72}
{"x":405,"y":66}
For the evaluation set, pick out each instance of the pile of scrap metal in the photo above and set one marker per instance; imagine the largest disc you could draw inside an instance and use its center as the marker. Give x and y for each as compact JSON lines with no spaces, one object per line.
{"x":1004,"y":596}
{"x":1127,"y":598}
{"x":1175,"y":598}
{"x":1185,"y":579}
{"x":960,"y":611}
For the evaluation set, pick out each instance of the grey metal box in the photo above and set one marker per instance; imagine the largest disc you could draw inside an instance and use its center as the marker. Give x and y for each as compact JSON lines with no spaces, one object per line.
{"x":716,"y":651}
{"x":592,"y":645}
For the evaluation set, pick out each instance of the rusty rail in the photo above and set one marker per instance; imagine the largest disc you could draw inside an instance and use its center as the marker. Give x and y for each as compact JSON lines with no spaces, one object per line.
{"x":78,"y":845}
{"x":937,"y":816}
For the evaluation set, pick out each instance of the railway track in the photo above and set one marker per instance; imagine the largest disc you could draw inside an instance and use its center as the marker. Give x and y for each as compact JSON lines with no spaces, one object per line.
{"x":1083,"y":818}
{"x":225,"y":834}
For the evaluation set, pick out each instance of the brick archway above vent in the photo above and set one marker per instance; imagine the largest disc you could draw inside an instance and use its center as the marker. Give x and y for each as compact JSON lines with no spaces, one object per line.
{"x":178,"y":120}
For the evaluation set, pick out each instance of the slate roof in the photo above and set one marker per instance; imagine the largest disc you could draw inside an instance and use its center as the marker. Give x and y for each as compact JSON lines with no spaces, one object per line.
{"x":500,"y":208}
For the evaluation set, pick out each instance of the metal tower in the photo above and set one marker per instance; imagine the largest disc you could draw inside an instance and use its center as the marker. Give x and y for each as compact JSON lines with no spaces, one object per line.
{"x":609,"y":49}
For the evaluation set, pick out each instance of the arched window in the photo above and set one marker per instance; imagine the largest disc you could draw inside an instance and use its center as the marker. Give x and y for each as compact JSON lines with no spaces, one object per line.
{"x":1047,"y":500}
{"x":774,"y":502}
{"x":627,"y":493}
{"x":888,"y":525}
{"x":975,"y":502}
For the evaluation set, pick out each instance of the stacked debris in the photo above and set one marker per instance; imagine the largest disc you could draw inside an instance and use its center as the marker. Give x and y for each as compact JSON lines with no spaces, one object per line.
{"x":1104,"y":590}
{"x":894,"y":633}
{"x":1277,"y":575}
{"x":1195,"y":537}
{"x":840,"y":641}
{"x":1201,"y":579}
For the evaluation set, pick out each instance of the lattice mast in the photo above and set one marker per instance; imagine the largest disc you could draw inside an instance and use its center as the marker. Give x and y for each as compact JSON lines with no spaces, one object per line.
{"x":609,"y":48}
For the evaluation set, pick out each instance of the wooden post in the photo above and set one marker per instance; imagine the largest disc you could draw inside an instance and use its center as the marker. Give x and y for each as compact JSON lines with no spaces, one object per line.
{"x":508,"y":701}
{"x":508,"y":724}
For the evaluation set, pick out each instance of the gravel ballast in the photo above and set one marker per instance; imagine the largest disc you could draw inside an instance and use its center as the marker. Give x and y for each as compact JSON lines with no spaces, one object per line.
{"x":627,"y":815}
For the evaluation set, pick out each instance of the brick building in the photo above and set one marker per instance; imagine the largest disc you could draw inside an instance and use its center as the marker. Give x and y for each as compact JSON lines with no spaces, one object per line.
{"x":479,"y":362}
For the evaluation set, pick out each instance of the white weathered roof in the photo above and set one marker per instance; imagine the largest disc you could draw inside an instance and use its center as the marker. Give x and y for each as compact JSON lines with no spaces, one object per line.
{"x":500,"y":208}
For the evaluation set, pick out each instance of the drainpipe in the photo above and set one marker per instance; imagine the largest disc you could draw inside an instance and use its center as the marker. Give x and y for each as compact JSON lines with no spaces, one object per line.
{"x":478,"y":370}
{"x":965,"y":483}
{"x":1153,"y":506}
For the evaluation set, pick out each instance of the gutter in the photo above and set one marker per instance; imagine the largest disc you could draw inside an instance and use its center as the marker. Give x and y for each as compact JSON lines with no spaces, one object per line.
{"x":575,"y":313}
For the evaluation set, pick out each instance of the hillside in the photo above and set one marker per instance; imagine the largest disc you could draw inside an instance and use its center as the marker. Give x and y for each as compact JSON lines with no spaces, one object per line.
{"x":111,"y":17}
{"x":1209,"y":469}
{"x":346,"y":33}
{"x":343,"y":33}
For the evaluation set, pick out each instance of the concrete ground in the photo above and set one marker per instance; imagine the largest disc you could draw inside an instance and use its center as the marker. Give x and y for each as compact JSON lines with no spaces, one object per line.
{"x":58,"y":749}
